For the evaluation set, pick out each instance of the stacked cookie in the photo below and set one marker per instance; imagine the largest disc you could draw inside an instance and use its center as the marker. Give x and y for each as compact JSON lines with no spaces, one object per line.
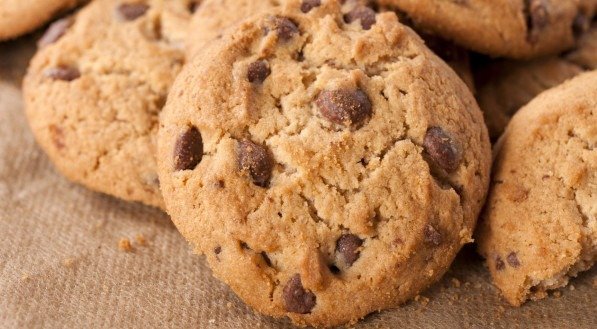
{"x":325,"y":161}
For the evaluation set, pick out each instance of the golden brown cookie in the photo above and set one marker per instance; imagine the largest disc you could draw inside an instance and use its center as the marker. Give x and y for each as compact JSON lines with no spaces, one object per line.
{"x":539,"y":226}
{"x":327,"y":167}
{"x":94,"y":91}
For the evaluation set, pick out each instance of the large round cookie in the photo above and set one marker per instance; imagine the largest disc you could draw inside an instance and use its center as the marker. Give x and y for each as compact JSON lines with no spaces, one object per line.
{"x":510,"y":28}
{"x":540,"y":223}
{"x":215,"y":16}
{"x":326,"y":169}
{"x":94,"y":91}
{"x":18,"y":17}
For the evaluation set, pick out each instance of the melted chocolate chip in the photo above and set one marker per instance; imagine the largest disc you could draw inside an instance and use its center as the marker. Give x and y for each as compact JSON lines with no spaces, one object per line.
{"x":344,"y":106}
{"x":55,"y":32}
{"x":443,"y":152}
{"x":296,"y":298}
{"x":348,"y":246}
{"x":307,"y":5}
{"x":499,"y":264}
{"x":132,"y":11}
{"x":284,"y":27}
{"x":258,"y":71}
{"x":64,"y":73}
{"x":432,"y":236}
{"x":188,"y":150}
{"x":537,"y":19}
{"x":512,"y":259}
{"x":365,"y":14}
{"x":256,"y":160}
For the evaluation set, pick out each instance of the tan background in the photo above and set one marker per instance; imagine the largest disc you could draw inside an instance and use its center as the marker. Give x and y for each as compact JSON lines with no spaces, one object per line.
{"x":60,"y":265}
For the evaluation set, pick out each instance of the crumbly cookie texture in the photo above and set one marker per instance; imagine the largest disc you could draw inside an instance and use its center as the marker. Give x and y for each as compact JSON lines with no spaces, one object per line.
{"x":18,"y":17}
{"x":214,"y":17}
{"x":327,"y":167}
{"x":539,"y":226}
{"x":95,"y":88}
{"x":503,"y":87}
{"x":519,"y":29}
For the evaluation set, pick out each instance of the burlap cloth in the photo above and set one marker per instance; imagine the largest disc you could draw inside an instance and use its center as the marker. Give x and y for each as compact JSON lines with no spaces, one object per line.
{"x":61,"y":265}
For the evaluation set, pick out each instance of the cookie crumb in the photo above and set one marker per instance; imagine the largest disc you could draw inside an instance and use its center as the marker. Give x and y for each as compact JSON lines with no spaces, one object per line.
{"x":455,"y":283}
{"x":125,"y":245}
{"x":422,"y":300}
{"x":69,"y":262}
{"x":25,"y":277}
{"x":212,"y":321}
{"x":557,"y":294}
{"x":572,"y":287}
{"x":477,"y":285}
{"x":140,"y":238}
{"x":595,"y":282}
{"x":229,"y":305}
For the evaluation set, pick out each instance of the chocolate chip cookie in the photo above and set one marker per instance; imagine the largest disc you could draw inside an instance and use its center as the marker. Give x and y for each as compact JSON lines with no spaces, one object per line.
{"x":213,"y":17}
{"x":18,"y":17}
{"x":539,"y":226}
{"x":94,"y":90}
{"x":505,"y":86}
{"x":325,"y":161}
{"x":516,"y":29}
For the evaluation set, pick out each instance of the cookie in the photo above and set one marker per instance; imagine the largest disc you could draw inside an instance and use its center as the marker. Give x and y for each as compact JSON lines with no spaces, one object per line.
{"x":326,"y":166}
{"x":504,"y":86}
{"x":95,"y":88}
{"x":215,"y":16}
{"x":18,"y":17}
{"x":519,"y":29}
{"x":540,"y":223}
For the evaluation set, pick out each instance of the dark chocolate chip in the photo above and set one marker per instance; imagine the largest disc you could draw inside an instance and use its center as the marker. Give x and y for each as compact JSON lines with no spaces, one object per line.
{"x":244,"y":245}
{"x":344,"y":106}
{"x":441,"y":149}
{"x":348,"y":246}
{"x":580,"y":24}
{"x":256,"y":160}
{"x":132,"y":11}
{"x":55,"y":32}
{"x":334,"y":269}
{"x":537,"y":18}
{"x":432,"y":236}
{"x":296,"y":298}
{"x":512,"y":259}
{"x":188,"y":150}
{"x":258,"y":71}
{"x":194,"y":5}
{"x":64,"y":73}
{"x":217,"y":250}
{"x":284,"y":27}
{"x":499,"y":264}
{"x":307,"y":5}
{"x":365,"y":14}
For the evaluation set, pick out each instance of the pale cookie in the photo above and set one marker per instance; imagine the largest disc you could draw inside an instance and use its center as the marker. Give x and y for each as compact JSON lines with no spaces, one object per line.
{"x":509,"y":28}
{"x":215,"y":16}
{"x":94,"y":91}
{"x":539,"y":226}
{"x":327,"y":167}
{"x":18,"y":17}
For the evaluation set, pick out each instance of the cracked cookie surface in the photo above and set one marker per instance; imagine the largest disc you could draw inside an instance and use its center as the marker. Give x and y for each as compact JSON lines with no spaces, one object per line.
{"x":503,"y":28}
{"x":18,"y":17}
{"x":539,"y":226}
{"x":95,"y":88}
{"x":342,"y":166}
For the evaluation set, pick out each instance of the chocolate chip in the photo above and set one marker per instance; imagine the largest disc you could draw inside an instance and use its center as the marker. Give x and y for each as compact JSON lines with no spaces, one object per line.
{"x":256,"y":160}
{"x":344,"y":106}
{"x":194,"y":5}
{"x":348,"y":246}
{"x":296,"y":298}
{"x":132,"y":11}
{"x":537,"y":18}
{"x":499,"y":263}
{"x":284,"y":27}
{"x":512,"y":259}
{"x":64,"y":73}
{"x":217,"y":250}
{"x":432,"y":236}
{"x":188,"y":150}
{"x":580,"y":24}
{"x":307,"y":5}
{"x":365,"y":14}
{"x":441,"y":149}
{"x":55,"y":32}
{"x":266,"y":259}
{"x":258,"y":71}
